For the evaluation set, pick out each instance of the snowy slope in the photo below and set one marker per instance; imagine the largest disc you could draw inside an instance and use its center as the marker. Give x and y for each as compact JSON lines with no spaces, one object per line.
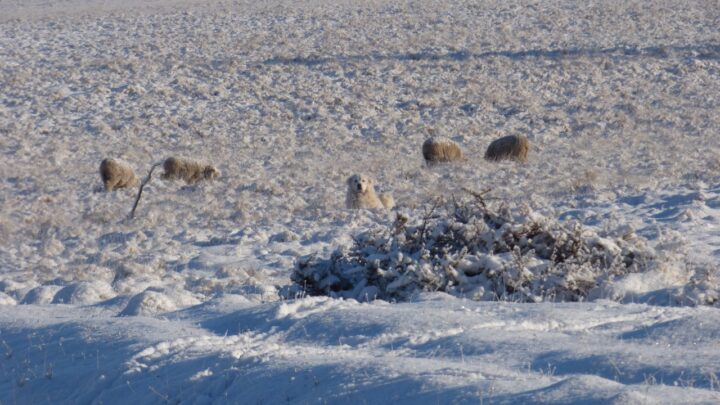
{"x":620,"y":102}
{"x":322,"y":350}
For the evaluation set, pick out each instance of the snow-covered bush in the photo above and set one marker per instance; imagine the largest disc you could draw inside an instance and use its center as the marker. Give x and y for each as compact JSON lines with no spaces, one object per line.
{"x":702,"y":288}
{"x":471,"y":249}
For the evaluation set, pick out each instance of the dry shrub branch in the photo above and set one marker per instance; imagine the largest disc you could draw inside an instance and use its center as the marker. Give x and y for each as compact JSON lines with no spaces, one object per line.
{"x":475,"y":248}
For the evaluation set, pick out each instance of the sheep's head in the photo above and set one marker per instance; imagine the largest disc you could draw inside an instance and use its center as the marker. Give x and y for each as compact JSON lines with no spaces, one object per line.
{"x":211,"y":173}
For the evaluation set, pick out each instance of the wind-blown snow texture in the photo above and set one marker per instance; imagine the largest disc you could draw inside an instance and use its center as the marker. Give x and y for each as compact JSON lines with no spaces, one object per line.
{"x":620,"y":101}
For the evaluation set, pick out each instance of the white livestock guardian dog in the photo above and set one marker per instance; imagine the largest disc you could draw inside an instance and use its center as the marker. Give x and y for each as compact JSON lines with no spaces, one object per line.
{"x":361,"y":194}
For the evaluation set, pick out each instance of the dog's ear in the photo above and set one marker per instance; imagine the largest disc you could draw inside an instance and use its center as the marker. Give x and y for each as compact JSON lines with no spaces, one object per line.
{"x":350,"y":180}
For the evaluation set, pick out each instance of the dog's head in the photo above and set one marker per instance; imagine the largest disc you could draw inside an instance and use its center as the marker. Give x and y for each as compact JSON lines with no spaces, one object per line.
{"x":211,"y":173}
{"x":359,"y":184}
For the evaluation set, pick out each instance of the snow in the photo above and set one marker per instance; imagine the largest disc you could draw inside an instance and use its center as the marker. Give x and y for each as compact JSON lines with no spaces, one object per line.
{"x":153,"y":301}
{"x":329,"y":350}
{"x":185,"y":303}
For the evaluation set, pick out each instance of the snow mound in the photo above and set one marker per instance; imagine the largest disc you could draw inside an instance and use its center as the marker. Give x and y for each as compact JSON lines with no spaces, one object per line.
{"x":669,"y":283}
{"x":584,"y":388}
{"x":702,"y":289}
{"x":473,"y":250}
{"x":43,"y":294}
{"x":16,"y":289}
{"x":84,"y":293}
{"x":157,"y":300}
{"x":6,"y":299}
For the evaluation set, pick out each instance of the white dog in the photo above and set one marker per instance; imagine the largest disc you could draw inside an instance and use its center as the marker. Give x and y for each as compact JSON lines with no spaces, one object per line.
{"x":361,"y":194}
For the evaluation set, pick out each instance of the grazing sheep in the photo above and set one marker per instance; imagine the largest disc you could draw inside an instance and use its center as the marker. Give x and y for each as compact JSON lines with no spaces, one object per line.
{"x":361,"y":194}
{"x":513,"y":147}
{"x":437,"y":150}
{"x":116,"y":173}
{"x":189,"y":170}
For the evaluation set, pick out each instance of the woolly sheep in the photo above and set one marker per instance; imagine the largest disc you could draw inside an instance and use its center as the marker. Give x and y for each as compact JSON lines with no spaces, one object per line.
{"x":361,"y":194}
{"x":116,"y":173}
{"x":436,"y":150}
{"x":513,"y":147}
{"x":189,"y":170}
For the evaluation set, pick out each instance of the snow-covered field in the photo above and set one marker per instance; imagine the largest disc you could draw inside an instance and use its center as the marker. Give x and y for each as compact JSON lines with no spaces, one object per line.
{"x":184,"y":303}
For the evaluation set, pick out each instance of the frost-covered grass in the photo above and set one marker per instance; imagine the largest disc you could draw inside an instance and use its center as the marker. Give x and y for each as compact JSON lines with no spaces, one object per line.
{"x":618,"y":99}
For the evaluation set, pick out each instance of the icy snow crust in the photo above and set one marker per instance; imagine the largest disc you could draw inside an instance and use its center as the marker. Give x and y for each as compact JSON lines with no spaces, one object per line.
{"x":620,"y":103}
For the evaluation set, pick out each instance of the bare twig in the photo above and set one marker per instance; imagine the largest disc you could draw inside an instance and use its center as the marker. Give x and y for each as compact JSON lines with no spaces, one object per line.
{"x":479,"y":196}
{"x":399,"y":223}
{"x":146,"y":181}
{"x":426,"y":218}
{"x":158,"y":393}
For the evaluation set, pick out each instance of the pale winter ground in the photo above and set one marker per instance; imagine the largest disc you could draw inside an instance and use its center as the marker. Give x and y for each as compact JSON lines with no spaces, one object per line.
{"x":619,"y":99}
